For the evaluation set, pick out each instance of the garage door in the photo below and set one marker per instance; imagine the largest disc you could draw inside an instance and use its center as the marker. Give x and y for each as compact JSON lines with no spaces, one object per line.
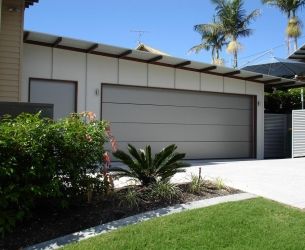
{"x":203,"y":125}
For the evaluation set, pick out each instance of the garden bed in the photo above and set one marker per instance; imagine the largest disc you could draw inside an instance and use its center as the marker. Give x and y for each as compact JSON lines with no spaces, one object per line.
{"x":48,"y":221}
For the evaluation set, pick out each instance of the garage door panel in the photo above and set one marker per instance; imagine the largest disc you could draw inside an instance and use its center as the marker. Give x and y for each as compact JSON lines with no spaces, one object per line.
{"x":179,"y":132}
{"x":204,"y":125}
{"x":170,"y":114}
{"x":175,"y":98}
{"x":202,"y":150}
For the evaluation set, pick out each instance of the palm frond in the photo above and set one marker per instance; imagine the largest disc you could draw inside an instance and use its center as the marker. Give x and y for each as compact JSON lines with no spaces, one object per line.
{"x":197,"y":48}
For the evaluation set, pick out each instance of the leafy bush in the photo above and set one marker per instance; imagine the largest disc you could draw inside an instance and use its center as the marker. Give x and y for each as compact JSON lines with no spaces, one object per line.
{"x":148,"y":169}
{"x":43,"y":159}
{"x":26,"y":166}
{"x":164,"y":191}
{"x":79,"y":152}
{"x":283,"y":101}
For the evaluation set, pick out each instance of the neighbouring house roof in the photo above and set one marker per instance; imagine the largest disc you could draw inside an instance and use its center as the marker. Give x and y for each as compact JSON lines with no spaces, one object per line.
{"x":146,"y":48}
{"x":28,"y":3}
{"x":286,"y":68}
{"x":66,"y":43}
{"x":299,"y":54}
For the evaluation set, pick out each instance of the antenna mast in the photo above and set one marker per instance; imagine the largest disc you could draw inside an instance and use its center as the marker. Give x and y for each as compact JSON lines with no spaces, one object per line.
{"x":140,"y":33}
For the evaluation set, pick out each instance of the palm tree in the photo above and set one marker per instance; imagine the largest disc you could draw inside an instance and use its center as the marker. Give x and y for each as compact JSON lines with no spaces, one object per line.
{"x":289,"y":8}
{"x":235,"y":23}
{"x":212,"y":38}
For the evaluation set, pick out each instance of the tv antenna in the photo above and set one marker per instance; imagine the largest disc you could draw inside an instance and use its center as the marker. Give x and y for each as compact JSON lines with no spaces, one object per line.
{"x":140,"y":33}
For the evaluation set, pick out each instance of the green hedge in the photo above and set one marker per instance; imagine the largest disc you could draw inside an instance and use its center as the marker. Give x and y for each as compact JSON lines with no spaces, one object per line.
{"x":45,"y":159}
{"x":283,"y":101}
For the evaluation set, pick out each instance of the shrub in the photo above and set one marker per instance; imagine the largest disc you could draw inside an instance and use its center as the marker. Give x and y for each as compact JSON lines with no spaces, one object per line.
{"x":148,"y":169}
{"x":164,"y":191}
{"x":27,"y":166}
{"x":79,"y":152}
{"x":196,"y":185}
{"x":219,"y":183}
{"x":43,"y":159}
{"x":130,"y":199}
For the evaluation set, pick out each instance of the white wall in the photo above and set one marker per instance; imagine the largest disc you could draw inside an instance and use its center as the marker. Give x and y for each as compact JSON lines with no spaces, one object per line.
{"x":92,"y":70}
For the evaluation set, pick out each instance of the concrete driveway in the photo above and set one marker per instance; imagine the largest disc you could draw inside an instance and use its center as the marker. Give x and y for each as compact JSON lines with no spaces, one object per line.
{"x":280,"y":180}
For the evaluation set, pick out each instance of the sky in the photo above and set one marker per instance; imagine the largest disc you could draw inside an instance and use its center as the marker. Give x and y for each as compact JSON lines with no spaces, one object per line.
{"x":168,"y":25}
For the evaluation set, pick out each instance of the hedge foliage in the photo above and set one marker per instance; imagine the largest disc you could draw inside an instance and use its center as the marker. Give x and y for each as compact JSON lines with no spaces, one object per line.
{"x":283,"y":101}
{"x":45,"y":159}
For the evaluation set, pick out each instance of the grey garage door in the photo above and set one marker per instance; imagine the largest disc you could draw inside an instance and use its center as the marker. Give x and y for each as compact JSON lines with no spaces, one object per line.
{"x":203,"y":125}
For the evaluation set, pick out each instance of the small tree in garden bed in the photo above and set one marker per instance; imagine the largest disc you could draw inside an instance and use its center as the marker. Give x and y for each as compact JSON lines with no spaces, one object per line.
{"x":43,"y":159}
{"x":148,"y":169}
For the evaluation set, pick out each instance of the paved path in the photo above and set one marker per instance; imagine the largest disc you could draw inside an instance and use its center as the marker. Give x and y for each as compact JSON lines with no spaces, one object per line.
{"x":280,"y":180}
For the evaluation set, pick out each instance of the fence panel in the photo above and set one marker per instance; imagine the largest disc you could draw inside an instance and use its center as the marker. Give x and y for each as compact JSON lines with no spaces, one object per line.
{"x":298,"y":133}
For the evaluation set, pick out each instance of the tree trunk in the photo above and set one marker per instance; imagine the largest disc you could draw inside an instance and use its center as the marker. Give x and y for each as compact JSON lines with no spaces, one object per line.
{"x":217,"y":54}
{"x":235,"y":63}
{"x":288,"y":39}
{"x":295,"y":38}
{"x":213,"y":55}
{"x":295,"y":44}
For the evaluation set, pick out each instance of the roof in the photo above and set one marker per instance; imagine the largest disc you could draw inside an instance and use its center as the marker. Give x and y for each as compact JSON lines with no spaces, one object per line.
{"x":279,"y":67}
{"x":144,"y":47}
{"x":82,"y":46}
{"x":28,"y":3}
{"x":299,"y":54}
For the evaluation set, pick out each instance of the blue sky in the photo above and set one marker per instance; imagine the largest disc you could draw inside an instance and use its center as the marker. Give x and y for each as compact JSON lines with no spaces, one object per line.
{"x":169,"y":24}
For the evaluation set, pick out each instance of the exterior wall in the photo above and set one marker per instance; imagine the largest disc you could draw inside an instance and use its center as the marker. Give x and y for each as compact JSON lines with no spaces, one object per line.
{"x":11,"y":42}
{"x":92,"y":70}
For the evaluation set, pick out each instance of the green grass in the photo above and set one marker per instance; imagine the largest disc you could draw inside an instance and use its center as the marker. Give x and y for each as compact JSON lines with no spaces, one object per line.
{"x":250,"y":224}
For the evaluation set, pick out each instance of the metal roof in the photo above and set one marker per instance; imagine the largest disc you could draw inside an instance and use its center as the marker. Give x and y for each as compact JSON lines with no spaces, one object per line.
{"x":66,"y":43}
{"x":285,"y":68}
{"x":299,"y":54}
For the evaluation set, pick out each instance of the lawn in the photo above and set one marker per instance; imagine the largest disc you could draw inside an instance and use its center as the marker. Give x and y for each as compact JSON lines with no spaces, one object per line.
{"x":250,"y":224}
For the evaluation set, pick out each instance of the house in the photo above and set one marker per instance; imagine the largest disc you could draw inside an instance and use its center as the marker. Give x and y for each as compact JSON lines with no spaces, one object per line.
{"x":208,"y":111}
{"x":11,"y":47}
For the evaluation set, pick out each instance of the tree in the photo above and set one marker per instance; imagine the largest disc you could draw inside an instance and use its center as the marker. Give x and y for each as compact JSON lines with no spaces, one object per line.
{"x":289,"y":8}
{"x":212,"y":38}
{"x":235,"y":23}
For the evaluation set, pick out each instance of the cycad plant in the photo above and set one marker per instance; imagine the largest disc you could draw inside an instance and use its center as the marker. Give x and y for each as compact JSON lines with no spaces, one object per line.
{"x":148,"y":169}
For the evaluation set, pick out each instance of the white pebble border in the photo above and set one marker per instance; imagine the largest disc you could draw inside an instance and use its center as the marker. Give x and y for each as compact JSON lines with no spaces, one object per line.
{"x":104,"y":228}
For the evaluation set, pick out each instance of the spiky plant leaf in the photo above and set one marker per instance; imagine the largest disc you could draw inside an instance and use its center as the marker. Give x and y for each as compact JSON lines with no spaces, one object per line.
{"x":148,"y":169}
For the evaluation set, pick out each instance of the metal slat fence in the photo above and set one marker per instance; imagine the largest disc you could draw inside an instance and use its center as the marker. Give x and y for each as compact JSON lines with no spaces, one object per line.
{"x":298,"y":133}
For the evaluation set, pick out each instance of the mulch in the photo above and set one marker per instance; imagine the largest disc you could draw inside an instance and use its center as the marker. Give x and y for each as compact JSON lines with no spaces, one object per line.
{"x":49,"y":221}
